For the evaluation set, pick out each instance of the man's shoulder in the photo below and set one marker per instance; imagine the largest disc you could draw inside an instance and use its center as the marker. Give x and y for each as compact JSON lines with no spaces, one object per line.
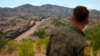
{"x":59,"y":29}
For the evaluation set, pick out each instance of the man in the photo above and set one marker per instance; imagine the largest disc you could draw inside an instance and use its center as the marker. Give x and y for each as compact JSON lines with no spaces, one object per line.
{"x":70,"y":40}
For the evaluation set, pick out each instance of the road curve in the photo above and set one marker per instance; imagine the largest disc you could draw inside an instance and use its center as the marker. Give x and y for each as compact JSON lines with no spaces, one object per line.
{"x":30,"y":31}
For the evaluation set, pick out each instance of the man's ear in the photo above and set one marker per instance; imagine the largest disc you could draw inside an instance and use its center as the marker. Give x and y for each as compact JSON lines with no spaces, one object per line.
{"x":84,"y":28}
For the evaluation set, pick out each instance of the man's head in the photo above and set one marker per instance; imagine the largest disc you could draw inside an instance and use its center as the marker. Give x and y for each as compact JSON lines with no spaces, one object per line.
{"x":80,"y":16}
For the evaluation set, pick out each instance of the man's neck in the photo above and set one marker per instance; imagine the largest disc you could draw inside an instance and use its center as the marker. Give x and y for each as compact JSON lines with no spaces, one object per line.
{"x":78,"y":26}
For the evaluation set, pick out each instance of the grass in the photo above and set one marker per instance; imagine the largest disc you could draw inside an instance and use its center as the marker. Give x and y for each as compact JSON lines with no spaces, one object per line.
{"x":93,"y":35}
{"x":28,"y":47}
{"x":3,"y":42}
{"x":41,"y":44}
{"x":25,"y":47}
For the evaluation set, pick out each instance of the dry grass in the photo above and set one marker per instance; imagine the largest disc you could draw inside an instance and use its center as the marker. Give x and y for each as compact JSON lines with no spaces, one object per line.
{"x":11,"y":50}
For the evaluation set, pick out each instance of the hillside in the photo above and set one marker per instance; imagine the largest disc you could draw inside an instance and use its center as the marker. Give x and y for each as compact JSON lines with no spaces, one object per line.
{"x":15,"y":25}
{"x":18,"y":19}
{"x":43,"y":10}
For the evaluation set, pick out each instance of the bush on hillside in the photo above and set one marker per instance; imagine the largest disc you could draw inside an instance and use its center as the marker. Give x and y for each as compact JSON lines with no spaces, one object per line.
{"x":93,"y":35}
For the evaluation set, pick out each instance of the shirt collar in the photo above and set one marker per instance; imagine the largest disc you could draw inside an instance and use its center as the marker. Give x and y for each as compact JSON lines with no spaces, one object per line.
{"x":76,"y":29}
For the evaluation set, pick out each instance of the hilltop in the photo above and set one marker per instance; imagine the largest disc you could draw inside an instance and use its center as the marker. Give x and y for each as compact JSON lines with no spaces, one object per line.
{"x":43,"y":10}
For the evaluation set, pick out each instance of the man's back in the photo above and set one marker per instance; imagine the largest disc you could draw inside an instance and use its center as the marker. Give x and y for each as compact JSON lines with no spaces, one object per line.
{"x":66,"y":41}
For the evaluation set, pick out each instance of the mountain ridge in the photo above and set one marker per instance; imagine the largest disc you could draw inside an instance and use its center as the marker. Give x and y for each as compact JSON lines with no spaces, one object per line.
{"x":43,"y":10}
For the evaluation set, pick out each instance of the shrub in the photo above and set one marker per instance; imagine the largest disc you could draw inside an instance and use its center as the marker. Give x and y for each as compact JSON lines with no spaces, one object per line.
{"x":41,"y":43}
{"x":40,"y":33}
{"x":3,"y":42}
{"x":11,"y":46}
{"x":26,"y":48}
{"x":93,"y":35}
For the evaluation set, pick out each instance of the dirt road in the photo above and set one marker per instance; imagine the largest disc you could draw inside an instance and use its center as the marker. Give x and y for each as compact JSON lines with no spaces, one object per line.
{"x":30,"y":31}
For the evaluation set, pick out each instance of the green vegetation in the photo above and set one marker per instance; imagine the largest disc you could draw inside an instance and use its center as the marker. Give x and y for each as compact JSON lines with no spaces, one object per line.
{"x":2,"y":34}
{"x":42,"y":41}
{"x":40,"y":33}
{"x":3,"y":42}
{"x":12,"y":33}
{"x":26,"y":48}
{"x":93,"y":35}
{"x":58,"y":22}
{"x":41,"y":44}
{"x":22,"y":17}
{"x":11,"y":46}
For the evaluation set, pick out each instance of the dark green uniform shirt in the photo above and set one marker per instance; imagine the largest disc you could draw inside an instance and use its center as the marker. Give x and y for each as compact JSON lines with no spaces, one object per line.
{"x":66,"y":41}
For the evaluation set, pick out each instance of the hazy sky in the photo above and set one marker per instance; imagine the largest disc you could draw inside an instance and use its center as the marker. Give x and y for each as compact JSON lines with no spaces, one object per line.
{"x":91,"y":4}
